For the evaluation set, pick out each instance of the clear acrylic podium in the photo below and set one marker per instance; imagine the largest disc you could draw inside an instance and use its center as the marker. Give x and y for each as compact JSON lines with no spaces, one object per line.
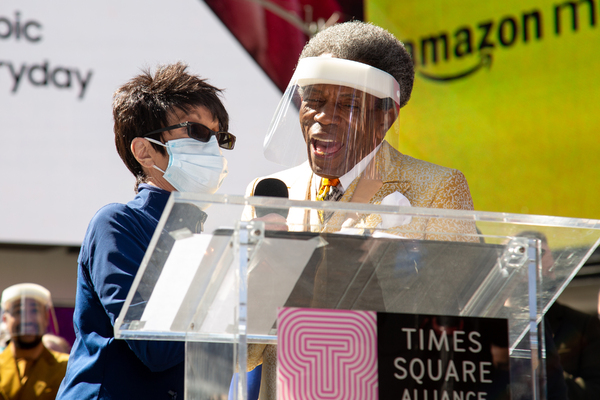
{"x":219,"y":290}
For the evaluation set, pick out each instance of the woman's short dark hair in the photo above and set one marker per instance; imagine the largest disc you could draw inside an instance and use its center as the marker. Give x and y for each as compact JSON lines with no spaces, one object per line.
{"x":145,"y":102}
{"x":369,"y":44}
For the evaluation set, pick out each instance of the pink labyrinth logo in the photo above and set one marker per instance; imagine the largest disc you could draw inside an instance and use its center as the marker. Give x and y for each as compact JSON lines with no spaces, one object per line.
{"x":327,"y":354}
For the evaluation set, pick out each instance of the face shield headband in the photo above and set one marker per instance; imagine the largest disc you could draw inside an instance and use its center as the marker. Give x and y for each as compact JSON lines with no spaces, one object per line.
{"x":334,"y":111}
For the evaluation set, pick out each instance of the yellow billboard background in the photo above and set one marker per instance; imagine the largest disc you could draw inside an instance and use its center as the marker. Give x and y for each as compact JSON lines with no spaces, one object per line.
{"x":513,"y":101}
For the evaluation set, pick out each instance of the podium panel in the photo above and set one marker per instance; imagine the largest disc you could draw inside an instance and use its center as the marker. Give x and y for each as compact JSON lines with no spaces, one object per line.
{"x":218,"y":286}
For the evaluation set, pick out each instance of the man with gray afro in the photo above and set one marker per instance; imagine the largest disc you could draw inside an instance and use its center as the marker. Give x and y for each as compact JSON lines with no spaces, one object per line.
{"x":340,"y":107}
{"x":368,"y":44}
{"x":28,"y":370}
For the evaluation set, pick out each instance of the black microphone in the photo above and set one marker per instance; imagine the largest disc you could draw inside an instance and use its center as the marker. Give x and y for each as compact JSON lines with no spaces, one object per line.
{"x":271,"y":187}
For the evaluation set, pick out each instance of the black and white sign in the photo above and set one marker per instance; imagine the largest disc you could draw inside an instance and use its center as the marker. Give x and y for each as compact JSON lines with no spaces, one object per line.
{"x":429,"y":357}
{"x":61,"y":61}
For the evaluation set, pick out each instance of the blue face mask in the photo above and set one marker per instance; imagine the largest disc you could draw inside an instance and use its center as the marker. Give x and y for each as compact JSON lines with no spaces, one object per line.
{"x":194,"y":166}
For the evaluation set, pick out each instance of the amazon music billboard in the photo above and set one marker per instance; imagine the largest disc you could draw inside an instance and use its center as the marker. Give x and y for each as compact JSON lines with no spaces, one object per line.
{"x":61,"y":61}
{"x":506,"y":92}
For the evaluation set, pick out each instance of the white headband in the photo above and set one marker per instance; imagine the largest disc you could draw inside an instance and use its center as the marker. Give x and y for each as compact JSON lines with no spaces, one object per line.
{"x":338,"y":71}
{"x":27,"y":290}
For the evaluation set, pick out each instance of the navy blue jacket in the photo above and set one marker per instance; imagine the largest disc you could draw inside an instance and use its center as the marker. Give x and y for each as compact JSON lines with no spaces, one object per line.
{"x":101,"y":367}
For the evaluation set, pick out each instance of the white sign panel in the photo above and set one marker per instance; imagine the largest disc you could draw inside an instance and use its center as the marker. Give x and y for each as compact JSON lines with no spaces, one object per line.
{"x":60,"y":62}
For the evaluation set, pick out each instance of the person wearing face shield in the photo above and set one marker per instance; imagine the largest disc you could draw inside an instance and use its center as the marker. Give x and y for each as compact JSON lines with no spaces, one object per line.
{"x":342,"y":102}
{"x":170,"y":129}
{"x":29,"y":370}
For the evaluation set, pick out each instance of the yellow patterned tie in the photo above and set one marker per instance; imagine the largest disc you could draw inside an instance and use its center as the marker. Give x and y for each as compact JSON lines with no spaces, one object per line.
{"x":325,"y":189}
{"x":329,"y":191}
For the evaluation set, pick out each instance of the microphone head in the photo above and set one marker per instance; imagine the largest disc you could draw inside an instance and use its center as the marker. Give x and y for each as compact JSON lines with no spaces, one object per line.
{"x":271,"y":187}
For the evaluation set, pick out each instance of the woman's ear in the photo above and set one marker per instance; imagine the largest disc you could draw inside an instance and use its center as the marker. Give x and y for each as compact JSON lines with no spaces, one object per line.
{"x":143,"y":152}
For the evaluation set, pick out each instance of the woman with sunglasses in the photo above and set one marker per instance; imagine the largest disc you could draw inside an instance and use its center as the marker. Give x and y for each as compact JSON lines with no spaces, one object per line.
{"x":170,"y":128}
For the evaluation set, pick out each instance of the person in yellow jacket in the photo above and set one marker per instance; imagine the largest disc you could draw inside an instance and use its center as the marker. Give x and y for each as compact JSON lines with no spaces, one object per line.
{"x":28,"y":370}
{"x":332,"y":128}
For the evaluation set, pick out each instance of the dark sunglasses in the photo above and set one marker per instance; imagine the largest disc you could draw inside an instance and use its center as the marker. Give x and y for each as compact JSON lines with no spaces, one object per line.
{"x":201,"y":133}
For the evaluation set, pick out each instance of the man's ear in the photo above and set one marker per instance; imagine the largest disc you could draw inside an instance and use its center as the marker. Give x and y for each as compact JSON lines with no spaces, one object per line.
{"x":388,"y":117}
{"x":48,"y":315}
{"x":143,"y":152}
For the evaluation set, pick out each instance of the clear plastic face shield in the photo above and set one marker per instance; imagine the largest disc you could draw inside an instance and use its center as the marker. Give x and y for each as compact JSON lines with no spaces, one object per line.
{"x":335,"y":111}
{"x":26,"y":312}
